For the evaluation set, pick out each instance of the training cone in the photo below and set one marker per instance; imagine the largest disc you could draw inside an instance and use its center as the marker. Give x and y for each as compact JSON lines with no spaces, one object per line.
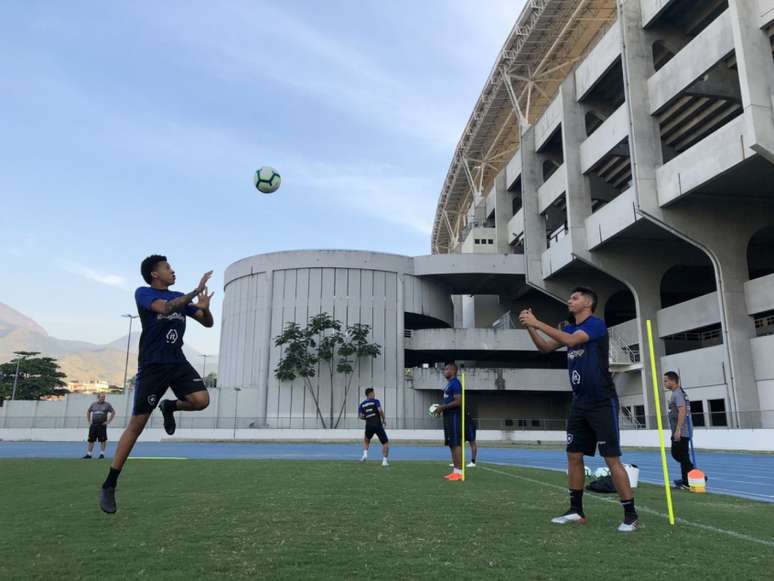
{"x":696,"y":481}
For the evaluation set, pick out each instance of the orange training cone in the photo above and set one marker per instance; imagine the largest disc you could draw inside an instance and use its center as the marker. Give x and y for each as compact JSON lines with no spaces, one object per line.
{"x":697,"y":481}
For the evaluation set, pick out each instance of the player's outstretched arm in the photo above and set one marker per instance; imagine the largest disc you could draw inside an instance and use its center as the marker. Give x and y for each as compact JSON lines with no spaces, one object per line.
{"x":543,"y":345}
{"x":557,"y":337}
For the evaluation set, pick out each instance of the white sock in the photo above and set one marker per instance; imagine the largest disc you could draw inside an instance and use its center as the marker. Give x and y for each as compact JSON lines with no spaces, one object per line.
{"x":457,"y":471}
{"x":365,"y":453}
{"x":384,"y":460}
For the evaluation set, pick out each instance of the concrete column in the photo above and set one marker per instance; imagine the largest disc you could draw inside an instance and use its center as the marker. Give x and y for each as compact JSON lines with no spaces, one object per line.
{"x":263,"y":387}
{"x":699,"y":222}
{"x":578,"y":187}
{"x":534,"y":228}
{"x":756,"y":74}
{"x":400,"y":375}
{"x":503,"y":212}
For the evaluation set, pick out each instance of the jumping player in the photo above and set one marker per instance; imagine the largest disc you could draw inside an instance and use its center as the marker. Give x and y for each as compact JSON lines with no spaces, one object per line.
{"x":593,"y":419}
{"x":161,"y":363}
{"x":371,"y":411}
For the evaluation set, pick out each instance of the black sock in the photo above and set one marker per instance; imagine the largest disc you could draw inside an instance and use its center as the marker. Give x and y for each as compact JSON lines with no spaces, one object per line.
{"x":628,"y":506}
{"x":576,"y":501}
{"x":112,"y":479}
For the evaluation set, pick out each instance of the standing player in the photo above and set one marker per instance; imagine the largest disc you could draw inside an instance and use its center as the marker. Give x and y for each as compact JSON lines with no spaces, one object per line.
{"x":371,"y":411}
{"x":593,"y":419}
{"x":682,"y":429}
{"x":470,"y":437}
{"x":99,"y":415}
{"x":452,"y":419}
{"x":161,"y":363}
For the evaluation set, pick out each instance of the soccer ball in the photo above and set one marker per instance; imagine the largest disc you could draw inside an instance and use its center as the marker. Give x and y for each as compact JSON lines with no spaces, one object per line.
{"x":267,"y":180}
{"x":432,"y":410}
{"x":587,"y":471}
{"x":602,"y":472}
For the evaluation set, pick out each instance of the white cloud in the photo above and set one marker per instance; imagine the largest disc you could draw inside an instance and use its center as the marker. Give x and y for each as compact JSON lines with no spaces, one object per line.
{"x":89,"y":273}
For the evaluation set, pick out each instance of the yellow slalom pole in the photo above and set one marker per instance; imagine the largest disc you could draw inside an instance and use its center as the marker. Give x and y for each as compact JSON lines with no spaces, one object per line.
{"x":462,"y":382}
{"x":657,"y":399}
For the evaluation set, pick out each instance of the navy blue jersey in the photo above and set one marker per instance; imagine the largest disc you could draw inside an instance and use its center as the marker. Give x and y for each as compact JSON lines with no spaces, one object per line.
{"x":161,"y":340}
{"x":454,"y":387}
{"x":369,"y":409}
{"x":589,"y":363}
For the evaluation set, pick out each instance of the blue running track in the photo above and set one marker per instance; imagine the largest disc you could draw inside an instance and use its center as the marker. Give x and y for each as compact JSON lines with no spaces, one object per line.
{"x":744,"y":475}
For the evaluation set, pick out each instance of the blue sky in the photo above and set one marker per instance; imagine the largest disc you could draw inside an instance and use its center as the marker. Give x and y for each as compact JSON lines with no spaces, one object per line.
{"x":134,"y":128}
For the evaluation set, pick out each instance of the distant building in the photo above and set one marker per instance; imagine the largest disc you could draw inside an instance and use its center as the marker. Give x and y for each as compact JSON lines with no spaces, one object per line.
{"x":97,"y":386}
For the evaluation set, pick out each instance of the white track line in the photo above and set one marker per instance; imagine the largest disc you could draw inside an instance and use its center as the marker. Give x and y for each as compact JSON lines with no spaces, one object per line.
{"x":734,"y":534}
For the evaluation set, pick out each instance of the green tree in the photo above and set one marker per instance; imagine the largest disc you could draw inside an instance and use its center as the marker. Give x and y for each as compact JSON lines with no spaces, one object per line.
{"x":324,"y":345}
{"x":38,"y":377}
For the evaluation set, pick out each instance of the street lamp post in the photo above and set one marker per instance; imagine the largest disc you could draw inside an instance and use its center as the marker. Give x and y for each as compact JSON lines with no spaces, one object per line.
{"x":236,"y":407}
{"x":128,"y":344}
{"x":204,"y":368}
{"x":19,"y":356}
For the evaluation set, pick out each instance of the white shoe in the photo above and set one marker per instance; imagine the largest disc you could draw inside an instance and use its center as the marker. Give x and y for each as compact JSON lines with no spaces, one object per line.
{"x":385,"y":463}
{"x":570,"y":517}
{"x":630,"y":528}
{"x":363,"y":458}
{"x":451,"y":465}
{"x":471,"y":465}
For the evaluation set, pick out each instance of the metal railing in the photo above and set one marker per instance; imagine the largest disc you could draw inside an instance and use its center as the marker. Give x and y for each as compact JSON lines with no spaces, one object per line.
{"x":628,"y":421}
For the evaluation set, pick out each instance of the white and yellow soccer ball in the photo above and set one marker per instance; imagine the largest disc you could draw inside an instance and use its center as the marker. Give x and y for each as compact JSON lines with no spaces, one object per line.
{"x":267,"y":180}
{"x":433,"y":409}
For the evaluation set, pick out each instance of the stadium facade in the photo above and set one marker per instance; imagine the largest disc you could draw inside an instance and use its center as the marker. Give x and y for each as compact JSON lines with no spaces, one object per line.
{"x":624,"y":145}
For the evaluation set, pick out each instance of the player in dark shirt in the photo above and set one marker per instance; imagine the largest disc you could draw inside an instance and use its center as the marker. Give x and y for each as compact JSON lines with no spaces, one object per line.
{"x":161,"y":363}
{"x":452,"y":419}
{"x":593,"y":419}
{"x":371,"y":411}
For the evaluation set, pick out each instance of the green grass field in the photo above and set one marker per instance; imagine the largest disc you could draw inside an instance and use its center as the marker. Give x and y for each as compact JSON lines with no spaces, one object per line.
{"x":239,"y":519}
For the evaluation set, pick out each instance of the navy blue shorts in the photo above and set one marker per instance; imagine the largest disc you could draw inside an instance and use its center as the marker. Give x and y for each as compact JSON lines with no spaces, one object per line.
{"x":154,"y":379}
{"x":452,"y":429}
{"x":377,"y":431}
{"x":470,"y":431}
{"x":592,"y":425}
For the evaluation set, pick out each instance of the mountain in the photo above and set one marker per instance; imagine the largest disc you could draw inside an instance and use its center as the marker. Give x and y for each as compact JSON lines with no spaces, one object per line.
{"x":79,"y":360}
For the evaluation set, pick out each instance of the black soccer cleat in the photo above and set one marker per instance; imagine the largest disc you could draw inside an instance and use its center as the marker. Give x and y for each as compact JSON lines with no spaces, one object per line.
{"x":86,"y":457}
{"x":168,"y":407}
{"x":107,"y":500}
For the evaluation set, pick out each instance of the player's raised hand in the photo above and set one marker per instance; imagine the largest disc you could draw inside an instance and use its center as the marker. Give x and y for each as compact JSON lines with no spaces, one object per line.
{"x":203,"y":282}
{"x":527,"y":319}
{"x":203,"y":299}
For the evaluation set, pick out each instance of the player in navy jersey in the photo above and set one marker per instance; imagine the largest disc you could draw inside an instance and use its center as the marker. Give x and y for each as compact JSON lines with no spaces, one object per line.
{"x":161,"y":363}
{"x":451,"y":408}
{"x":593,"y":419}
{"x":371,"y":411}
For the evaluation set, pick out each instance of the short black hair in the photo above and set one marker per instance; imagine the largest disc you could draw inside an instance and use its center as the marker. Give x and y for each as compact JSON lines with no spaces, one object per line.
{"x":452,"y":364}
{"x":673,"y":376}
{"x":149,"y":264}
{"x":586,"y":291}
{"x":369,"y":390}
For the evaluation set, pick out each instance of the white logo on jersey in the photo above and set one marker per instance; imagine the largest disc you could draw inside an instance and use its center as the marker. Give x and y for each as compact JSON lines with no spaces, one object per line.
{"x":152,"y":399}
{"x":172,"y":336}
{"x":576,"y":377}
